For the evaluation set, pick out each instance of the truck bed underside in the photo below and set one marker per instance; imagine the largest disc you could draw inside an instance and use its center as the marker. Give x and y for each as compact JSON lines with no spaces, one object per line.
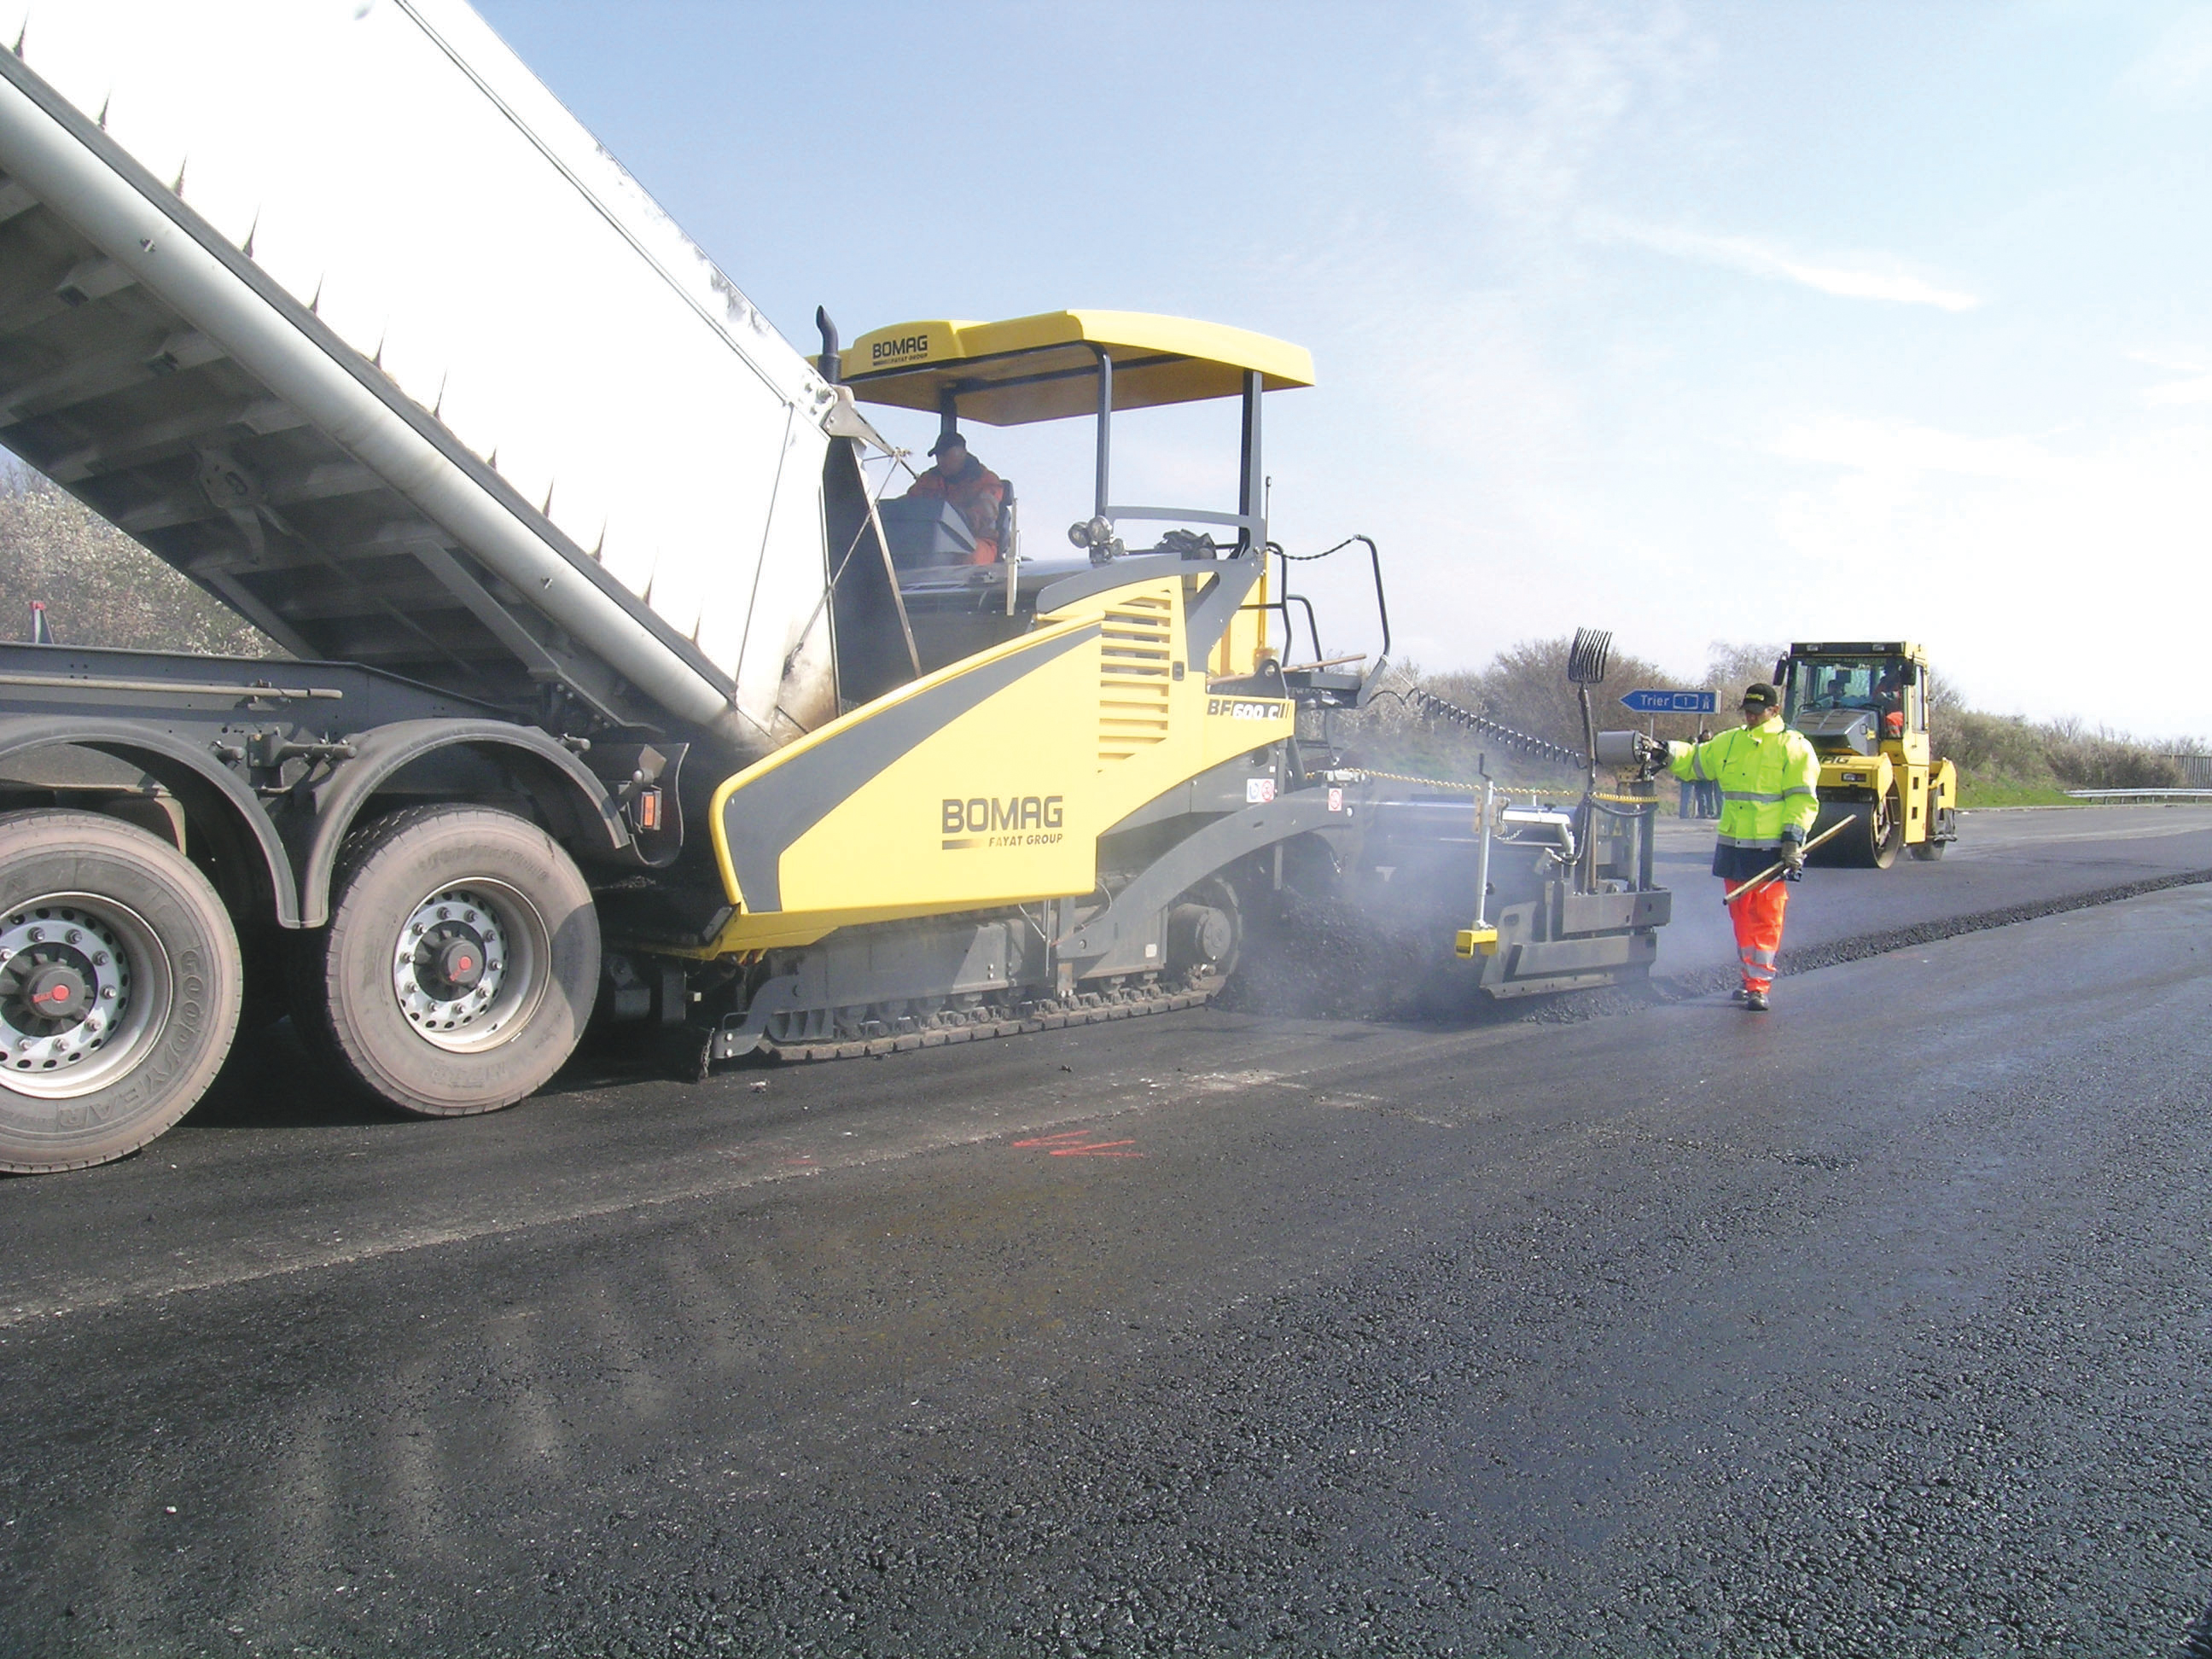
{"x":117,"y":399}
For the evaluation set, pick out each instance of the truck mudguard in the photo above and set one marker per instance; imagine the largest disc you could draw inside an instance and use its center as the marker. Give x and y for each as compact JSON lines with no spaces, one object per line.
{"x":209,"y":791}
{"x":584,"y":817}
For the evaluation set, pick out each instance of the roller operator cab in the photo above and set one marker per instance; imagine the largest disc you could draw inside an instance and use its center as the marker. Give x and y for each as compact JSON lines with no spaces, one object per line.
{"x":1864,"y":707}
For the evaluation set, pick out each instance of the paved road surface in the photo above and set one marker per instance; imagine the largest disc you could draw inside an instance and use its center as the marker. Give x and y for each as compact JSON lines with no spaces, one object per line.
{"x":1877,"y":1325}
{"x":2003,"y":859}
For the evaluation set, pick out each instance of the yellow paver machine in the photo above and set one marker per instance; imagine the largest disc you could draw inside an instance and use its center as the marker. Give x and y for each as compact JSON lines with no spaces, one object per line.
{"x":1106,"y":764}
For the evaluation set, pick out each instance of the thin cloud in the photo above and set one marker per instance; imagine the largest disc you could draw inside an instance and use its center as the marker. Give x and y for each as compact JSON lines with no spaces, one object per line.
{"x":2194,"y":387}
{"x":2178,"y":70}
{"x":1881,"y":279}
{"x":2196,"y":390}
{"x":1553,"y":94}
{"x":1906,"y":448}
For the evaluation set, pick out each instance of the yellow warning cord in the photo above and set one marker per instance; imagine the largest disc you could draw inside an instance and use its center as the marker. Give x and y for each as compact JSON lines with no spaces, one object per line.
{"x":1429,"y":783}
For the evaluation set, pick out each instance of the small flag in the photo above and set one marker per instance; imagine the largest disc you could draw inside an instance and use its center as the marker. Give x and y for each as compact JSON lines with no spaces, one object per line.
{"x":41,"y":634}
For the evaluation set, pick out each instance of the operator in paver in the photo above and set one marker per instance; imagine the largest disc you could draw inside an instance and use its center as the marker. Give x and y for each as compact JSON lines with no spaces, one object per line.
{"x":1766,"y":775}
{"x":969,"y":487}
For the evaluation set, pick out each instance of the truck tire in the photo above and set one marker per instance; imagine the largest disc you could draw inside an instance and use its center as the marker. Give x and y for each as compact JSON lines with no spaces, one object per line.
{"x":120,"y":988}
{"x":461,"y":964}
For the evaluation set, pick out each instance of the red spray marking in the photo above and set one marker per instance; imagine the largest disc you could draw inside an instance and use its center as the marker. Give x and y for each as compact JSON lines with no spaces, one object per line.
{"x":1077,"y":1142}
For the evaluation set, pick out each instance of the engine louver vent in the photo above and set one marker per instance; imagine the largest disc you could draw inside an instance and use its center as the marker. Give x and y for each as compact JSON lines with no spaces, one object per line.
{"x":1135,"y":669}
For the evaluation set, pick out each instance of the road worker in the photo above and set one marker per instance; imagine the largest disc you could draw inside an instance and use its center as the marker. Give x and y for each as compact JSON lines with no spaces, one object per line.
{"x":1889,"y":701}
{"x":969,"y":487}
{"x":1766,"y":773}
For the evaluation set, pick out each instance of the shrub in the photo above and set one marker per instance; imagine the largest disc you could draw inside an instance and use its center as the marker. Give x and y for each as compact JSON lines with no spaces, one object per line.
{"x":1730,"y":667}
{"x":98,"y":586}
{"x":2057,"y":754}
{"x":2106,"y":760}
{"x":1993,"y":746}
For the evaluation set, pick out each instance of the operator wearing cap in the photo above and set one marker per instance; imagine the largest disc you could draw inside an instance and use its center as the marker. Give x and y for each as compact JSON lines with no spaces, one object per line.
{"x":969,"y":487}
{"x":1766,"y":775}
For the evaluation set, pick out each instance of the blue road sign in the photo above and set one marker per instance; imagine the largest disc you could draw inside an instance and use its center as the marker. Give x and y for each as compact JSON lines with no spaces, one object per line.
{"x":1672,"y":702}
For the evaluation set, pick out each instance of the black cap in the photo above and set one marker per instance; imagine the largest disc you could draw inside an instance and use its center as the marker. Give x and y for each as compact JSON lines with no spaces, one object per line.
{"x":1760,"y":694}
{"x":947,"y":441}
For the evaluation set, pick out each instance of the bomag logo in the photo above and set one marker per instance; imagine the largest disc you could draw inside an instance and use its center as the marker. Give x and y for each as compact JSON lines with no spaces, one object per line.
{"x":897,"y":350}
{"x":1236,"y":709}
{"x":1016,"y":821}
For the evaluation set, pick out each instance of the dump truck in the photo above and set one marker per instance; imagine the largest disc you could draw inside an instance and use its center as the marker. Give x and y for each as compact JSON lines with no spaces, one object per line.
{"x":608,"y":681}
{"x":1863,"y":706}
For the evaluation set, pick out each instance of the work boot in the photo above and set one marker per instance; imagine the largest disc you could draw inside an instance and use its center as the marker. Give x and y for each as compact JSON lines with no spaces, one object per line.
{"x":1739,"y":993}
{"x":1755,"y":1001}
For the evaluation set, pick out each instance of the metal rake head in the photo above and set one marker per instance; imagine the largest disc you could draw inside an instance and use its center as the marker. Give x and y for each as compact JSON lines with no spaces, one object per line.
{"x":1586,"y":658}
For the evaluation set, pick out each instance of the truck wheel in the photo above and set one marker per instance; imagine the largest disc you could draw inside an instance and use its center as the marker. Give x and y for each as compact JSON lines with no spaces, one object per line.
{"x":461,"y":961}
{"x":120,"y":988}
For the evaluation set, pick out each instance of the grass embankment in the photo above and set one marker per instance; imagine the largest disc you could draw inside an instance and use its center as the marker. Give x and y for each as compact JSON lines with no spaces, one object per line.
{"x":2010,"y":791}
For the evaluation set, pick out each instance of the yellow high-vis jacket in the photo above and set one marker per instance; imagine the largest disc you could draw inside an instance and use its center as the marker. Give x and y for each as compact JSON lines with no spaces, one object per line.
{"x":1766,"y":775}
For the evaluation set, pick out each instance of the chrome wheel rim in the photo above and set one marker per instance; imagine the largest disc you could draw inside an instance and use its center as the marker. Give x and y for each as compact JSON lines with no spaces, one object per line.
{"x":468,"y":967}
{"x":86,"y":987}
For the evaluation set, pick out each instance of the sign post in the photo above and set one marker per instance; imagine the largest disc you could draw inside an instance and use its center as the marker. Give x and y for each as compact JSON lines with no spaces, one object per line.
{"x":1672,"y":702}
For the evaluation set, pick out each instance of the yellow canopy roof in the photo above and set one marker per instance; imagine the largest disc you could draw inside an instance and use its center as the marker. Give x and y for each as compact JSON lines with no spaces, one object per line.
{"x":1042,"y":367}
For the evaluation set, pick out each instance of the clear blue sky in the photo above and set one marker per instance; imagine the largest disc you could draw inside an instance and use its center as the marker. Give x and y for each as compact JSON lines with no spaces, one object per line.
{"x":1702,"y":321}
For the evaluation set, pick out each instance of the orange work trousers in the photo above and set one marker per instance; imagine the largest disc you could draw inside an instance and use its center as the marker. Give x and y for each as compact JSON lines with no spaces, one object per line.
{"x":1758,"y":918}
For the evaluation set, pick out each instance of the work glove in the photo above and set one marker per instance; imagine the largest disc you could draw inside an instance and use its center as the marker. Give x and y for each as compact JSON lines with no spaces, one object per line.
{"x":1793,"y":860}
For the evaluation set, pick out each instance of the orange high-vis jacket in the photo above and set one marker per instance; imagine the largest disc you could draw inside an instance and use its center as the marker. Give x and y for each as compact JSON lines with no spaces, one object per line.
{"x":975,"y":495}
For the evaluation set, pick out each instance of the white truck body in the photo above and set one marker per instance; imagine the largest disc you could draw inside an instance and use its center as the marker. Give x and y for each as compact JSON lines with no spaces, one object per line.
{"x":425,"y":261}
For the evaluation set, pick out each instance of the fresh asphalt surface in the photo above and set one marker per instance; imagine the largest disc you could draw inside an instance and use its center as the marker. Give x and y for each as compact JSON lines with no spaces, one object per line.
{"x":1877,"y":1325}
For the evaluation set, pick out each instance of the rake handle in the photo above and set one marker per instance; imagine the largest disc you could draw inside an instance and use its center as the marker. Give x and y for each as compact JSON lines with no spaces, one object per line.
{"x":1773,"y":869}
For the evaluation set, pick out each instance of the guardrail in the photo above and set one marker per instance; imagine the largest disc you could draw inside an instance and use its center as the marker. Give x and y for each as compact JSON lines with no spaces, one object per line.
{"x":2140,"y":794}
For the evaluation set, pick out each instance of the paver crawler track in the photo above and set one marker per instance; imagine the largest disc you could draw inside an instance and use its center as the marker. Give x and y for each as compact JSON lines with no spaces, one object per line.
{"x":1090,"y":1008}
